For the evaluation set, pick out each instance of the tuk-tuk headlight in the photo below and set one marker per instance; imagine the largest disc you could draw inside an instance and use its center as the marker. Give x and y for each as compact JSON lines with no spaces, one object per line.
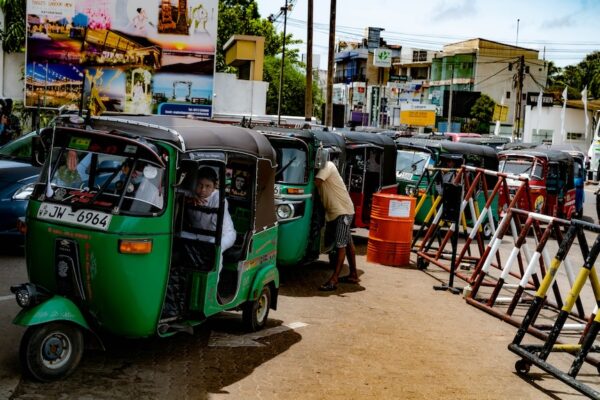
{"x":24,"y":192}
{"x":409,"y":190}
{"x":285,"y":211}
{"x":27,"y":295}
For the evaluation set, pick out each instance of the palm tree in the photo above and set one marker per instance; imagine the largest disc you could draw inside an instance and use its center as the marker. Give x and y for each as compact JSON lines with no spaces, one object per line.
{"x":13,"y":34}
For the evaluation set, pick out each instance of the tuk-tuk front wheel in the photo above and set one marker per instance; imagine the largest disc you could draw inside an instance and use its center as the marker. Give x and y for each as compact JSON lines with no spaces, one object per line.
{"x":51,"y":351}
{"x":256,"y":312}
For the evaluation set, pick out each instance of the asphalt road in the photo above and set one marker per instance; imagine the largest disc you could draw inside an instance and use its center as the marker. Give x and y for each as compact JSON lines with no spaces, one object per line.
{"x":389,"y":337}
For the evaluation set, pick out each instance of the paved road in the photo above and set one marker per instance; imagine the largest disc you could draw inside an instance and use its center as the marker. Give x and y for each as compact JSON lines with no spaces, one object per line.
{"x":390,"y":337}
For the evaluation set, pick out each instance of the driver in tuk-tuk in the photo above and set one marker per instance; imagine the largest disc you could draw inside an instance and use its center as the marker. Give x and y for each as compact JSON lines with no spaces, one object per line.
{"x":202,"y":215}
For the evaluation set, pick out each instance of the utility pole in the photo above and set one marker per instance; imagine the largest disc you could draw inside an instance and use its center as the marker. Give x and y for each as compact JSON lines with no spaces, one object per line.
{"x":285,"y":10}
{"x":449,"y":126}
{"x":329,"y":98}
{"x":309,"y":68}
{"x":519,"y":99}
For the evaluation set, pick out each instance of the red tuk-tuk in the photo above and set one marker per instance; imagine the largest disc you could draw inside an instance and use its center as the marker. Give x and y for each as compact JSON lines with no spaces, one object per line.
{"x":370,"y":168}
{"x":551,"y":181}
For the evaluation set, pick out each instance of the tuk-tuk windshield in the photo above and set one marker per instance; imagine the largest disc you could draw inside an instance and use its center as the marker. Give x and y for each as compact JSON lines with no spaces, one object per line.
{"x":413,"y":162}
{"x":102,"y":181}
{"x":291,"y":162}
{"x":522,"y":166}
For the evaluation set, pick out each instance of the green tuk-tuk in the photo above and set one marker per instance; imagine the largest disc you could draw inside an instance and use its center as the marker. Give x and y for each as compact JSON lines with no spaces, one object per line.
{"x":430,"y":155}
{"x":299,"y":213}
{"x":106,"y":254}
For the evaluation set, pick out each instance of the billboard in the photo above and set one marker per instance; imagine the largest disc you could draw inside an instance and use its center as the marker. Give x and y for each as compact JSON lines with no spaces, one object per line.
{"x":462,"y":102}
{"x":130,"y":56}
{"x":418,"y":114}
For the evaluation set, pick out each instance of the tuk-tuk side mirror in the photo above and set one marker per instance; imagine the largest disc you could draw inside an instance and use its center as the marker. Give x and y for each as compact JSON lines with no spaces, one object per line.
{"x":38,"y":151}
{"x":321,"y":158}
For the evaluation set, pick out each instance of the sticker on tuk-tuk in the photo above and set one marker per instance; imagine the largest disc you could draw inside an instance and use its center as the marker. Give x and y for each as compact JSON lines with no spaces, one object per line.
{"x":90,"y":218}
{"x":130,"y":149}
{"x":406,"y":175}
{"x":79,"y":143}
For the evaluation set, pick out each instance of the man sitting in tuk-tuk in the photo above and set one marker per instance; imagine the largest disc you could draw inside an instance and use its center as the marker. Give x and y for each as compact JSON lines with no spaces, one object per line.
{"x":202,"y":212}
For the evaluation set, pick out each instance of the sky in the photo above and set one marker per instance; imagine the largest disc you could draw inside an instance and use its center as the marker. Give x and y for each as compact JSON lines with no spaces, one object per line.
{"x":566,"y":29}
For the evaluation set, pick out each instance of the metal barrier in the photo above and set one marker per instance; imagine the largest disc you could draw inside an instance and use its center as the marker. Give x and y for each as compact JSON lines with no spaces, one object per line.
{"x":529,"y":277}
{"x":538,"y":354}
{"x":474,"y":181}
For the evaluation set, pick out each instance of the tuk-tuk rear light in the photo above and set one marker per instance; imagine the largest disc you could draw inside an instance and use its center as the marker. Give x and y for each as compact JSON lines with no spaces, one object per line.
{"x":295,"y":191}
{"x":135,"y":246}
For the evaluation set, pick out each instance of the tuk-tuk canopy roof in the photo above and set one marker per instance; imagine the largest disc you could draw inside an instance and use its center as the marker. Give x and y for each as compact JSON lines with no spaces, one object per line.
{"x":368,"y":137}
{"x":446,"y":146}
{"x":328,"y":139}
{"x":189,"y":134}
{"x":550,"y":155}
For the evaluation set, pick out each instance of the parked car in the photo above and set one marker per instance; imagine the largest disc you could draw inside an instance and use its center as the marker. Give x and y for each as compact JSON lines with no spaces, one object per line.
{"x":17,"y":179}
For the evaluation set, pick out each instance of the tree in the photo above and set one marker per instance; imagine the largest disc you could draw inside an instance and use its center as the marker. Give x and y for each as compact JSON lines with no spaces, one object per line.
{"x":576,"y":77}
{"x":294,"y":87}
{"x":481,"y":115}
{"x":241,"y":17}
{"x":12,"y":34}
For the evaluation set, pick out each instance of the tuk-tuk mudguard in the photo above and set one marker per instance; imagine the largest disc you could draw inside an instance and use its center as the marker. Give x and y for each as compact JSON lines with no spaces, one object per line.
{"x":264,"y":277}
{"x":57,"y":308}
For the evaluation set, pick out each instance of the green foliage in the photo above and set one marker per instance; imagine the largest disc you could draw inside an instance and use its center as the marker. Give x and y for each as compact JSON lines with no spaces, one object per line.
{"x":294,"y":87}
{"x":241,"y":17}
{"x":481,"y":115}
{"x":576,"y":77}
{"x":12,"y":33}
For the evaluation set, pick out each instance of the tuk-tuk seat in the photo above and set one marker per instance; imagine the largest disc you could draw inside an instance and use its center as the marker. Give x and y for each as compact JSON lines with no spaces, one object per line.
{"x":236,"y":252}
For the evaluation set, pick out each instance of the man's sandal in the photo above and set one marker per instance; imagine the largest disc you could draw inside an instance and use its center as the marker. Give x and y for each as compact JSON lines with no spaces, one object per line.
{"x":328,"y":287}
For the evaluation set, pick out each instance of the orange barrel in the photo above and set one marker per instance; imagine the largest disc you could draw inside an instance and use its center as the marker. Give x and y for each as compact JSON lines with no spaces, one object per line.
{"x":391,"y":229}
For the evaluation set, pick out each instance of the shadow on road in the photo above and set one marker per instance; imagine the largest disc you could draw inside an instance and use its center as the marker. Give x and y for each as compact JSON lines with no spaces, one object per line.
{"x":182,"y":366}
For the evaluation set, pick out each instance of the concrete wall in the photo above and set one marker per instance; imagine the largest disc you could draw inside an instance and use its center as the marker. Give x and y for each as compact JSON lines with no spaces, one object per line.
{"x":235,"y":96}
{"x":550,"y":123}
{"x":12,"y":84}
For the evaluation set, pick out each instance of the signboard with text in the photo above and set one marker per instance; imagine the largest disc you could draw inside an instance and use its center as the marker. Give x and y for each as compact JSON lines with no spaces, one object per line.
{"x":417,"y":118}
{"x":130,"y":56}
{"x":382,"y":58}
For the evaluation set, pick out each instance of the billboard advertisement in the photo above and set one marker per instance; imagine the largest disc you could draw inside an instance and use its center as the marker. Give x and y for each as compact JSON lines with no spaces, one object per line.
{"x":130,"y":56}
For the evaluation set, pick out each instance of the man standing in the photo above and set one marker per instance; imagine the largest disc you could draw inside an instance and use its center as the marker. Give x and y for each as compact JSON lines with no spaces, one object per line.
{"x":339,"y":212}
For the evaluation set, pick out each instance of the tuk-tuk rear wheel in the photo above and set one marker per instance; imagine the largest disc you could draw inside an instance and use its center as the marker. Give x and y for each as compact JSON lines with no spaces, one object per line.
{"x":51,"y":351}
{"x":256,"y":312}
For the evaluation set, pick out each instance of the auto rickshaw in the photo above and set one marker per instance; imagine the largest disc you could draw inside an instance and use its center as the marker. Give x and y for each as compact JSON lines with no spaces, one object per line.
{"x":424,"y":180}
{"x":299,"y":213}
{"x":370,"y":168}
{"x":579,"y":166}
{"x":106,"y":256}
{"x":551,"y":179}
{"x":579,"y":172}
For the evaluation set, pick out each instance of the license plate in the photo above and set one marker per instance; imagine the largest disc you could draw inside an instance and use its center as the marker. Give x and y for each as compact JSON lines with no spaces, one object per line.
{"x":89,"y":218}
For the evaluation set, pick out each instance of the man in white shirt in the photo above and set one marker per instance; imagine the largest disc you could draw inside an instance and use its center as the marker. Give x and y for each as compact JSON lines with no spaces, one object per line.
{"x":339,"y":212}
{"x":207,"y":195}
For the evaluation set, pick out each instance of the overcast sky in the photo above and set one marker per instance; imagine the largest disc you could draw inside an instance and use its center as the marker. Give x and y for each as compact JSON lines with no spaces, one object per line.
{"x":568,"y":29}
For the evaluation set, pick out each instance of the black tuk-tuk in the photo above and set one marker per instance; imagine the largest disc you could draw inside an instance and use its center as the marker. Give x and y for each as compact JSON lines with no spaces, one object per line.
{"x":370,"y":168}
